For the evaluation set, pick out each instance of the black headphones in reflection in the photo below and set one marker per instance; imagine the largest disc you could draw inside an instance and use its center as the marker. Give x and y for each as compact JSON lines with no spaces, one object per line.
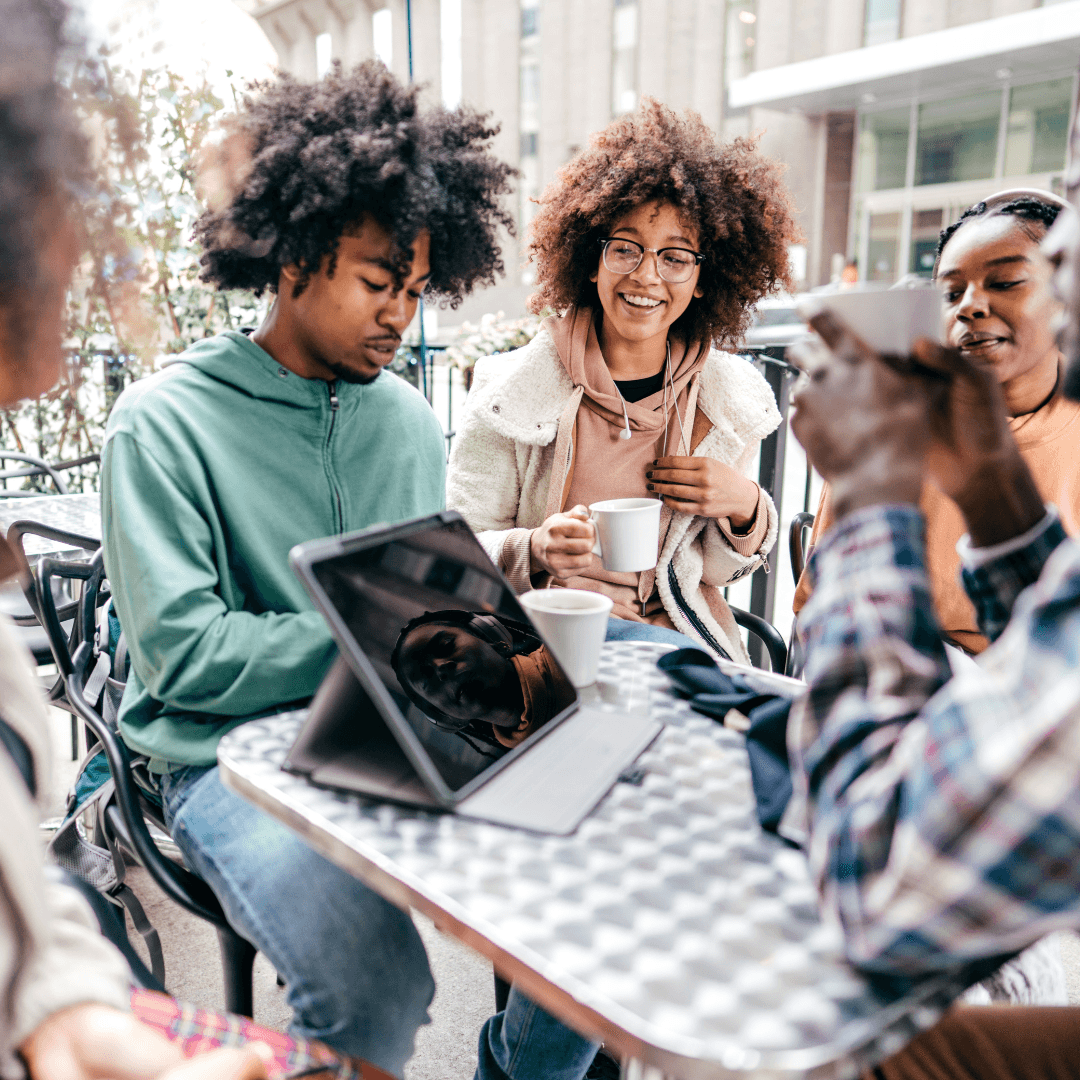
{"x":507,"y":637}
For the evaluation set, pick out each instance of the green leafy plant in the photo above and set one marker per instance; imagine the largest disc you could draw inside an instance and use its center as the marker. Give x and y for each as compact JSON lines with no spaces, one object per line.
{"x":493,"y":334}
{"x":136,"y":296}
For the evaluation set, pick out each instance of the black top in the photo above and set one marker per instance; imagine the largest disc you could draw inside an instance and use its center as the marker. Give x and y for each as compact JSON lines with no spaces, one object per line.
{"x":638,"y":389}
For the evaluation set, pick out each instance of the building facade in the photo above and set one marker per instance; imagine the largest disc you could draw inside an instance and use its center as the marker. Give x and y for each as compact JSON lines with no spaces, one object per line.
{"x":895,"y":115}
{"x":892,"y":115}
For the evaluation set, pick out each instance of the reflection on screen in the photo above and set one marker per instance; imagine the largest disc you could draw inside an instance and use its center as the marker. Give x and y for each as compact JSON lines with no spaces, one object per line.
{"x":451,"y":643}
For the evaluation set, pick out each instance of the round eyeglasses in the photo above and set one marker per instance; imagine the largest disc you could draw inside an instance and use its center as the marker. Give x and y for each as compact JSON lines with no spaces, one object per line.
{"x":673,"y":264}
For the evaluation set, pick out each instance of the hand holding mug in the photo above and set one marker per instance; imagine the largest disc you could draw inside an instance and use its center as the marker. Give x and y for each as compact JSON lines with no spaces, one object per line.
{"x":707,"y":488}
{"x":563,"y":545}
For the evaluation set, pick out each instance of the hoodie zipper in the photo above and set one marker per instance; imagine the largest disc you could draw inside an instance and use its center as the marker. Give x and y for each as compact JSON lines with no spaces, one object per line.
{"x":691,"y":615}
{"x":339,"y":519}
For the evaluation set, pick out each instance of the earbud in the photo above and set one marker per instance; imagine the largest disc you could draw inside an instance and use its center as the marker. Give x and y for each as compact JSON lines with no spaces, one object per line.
{"x":625,"y":433}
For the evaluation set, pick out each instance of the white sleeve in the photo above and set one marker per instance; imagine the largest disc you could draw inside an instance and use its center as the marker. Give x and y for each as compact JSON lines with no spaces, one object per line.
{"x":974,"y":557}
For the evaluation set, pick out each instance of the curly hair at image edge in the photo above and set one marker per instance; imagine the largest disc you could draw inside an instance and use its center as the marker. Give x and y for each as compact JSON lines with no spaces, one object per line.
{"x":42,"y":152}
{"x":321,"y":156}
{"x":732,"y":195}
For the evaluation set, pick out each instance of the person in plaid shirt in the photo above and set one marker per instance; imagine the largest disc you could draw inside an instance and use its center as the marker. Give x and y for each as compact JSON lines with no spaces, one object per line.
{"x":941,"y":816}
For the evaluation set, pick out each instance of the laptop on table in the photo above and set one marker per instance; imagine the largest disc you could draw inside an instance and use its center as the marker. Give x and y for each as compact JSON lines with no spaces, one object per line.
{"x":444,"y":695}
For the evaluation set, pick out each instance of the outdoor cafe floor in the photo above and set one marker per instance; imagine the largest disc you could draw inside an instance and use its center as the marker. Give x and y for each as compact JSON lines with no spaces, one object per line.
{"x":464,"y":998}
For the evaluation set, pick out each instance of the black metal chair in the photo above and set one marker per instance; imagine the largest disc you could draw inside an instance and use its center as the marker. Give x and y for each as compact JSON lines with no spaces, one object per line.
{"x":769,"y":635}
{"x":797,"y":552}
{"x":47,"y":645}
{"x":36,"y":466}
{"x":33,"y":466}
{"x":123,"y":818}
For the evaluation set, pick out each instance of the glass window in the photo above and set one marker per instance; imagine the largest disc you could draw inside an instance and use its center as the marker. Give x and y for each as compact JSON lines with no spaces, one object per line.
{"x":958,"y":139}
{"x":925,"y":229}
{"x":741,"y":36}
{"x":382,"y":35}
{"x":881,"y":22}
{"x":1038,"y":129}
{"x":882,"y":247}
{"x":324,"y":50}
{"x":624,"y":45}
{"x":883,"y":148}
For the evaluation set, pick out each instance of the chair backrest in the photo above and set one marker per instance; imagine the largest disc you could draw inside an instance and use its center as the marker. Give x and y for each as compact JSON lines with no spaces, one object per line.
{"x":33,"y":466}
{"x":796,"y":534}
{"x":41,"y":587}
{"x":769,"y":635}
{"x":180,"y":885}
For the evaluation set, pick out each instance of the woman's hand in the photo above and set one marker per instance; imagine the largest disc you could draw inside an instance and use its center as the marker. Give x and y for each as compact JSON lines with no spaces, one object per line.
{"x":698,"y":485}
{"x":562,"y":546}
{"x":95,"y":1042}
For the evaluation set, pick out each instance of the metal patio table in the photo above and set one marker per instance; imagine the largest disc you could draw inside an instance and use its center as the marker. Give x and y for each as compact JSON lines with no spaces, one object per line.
{"x":668,"y":925}
{"x":78,"y":514}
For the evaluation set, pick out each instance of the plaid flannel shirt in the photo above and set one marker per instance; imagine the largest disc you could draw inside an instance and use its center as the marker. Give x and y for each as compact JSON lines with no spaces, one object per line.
{"x":942,"y":814}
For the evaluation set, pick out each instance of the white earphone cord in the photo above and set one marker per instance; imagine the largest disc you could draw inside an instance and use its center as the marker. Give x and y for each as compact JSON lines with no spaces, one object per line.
{"x":675,"y":401}
{"x":625,"y":433}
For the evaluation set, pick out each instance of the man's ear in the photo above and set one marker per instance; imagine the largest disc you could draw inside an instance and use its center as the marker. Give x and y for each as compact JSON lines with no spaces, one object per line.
{"x":291,"y":273}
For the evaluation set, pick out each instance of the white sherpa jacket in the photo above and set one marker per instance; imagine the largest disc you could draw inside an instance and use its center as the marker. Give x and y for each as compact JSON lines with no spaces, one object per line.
{"x":514,"y":448}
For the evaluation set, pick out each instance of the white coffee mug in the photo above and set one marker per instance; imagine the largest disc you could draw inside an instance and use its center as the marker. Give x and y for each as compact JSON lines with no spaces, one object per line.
{"x":889,"y":320}
{"x":627,"y":533}
{"x":573,"y":624}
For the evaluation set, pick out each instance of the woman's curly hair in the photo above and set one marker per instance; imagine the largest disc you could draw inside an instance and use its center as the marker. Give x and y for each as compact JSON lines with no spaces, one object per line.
{"x":732,"y":195}
{"x":321,"y":156}
{"x":42,"y":152}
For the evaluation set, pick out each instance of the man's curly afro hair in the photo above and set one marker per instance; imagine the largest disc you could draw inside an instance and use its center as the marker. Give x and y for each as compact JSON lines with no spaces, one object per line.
{"x":322,"y":156}
{"x":732,"y":195}
{"x":42,"y":152}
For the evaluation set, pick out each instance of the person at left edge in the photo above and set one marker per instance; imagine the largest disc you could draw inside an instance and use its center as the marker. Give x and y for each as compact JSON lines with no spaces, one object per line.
{"x":346,"y":202}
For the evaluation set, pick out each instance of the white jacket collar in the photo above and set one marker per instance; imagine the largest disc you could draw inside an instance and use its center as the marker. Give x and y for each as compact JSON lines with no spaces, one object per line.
{"x":520,"y":395}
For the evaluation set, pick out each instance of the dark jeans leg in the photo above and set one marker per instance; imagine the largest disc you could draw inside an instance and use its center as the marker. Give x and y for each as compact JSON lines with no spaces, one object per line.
{"x":355,"y":967}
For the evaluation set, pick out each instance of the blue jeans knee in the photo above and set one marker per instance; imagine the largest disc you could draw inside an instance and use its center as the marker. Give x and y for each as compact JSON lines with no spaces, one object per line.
{"x":628,"y":630}
{"x":356,"y":970}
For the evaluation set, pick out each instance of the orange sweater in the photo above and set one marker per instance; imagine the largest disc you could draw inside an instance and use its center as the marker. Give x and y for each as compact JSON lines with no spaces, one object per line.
{"x":1049,"y":441}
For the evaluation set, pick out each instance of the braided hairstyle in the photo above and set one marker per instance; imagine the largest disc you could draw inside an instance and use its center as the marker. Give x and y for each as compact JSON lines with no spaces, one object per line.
{"x":1033,"y":215}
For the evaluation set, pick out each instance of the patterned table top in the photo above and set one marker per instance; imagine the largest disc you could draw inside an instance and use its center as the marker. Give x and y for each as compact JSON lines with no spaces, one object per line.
{"x":80,"y":514}
{"x":669,"y":924}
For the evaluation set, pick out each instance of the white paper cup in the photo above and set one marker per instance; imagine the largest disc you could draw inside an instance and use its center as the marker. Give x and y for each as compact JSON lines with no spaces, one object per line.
{"x":888,"y":320}
{"x":627,"y":533}
{"x":573,"y":624}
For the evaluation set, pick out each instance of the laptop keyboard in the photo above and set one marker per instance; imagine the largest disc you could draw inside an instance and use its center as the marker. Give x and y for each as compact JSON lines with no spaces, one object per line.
{"x":560,"y":779}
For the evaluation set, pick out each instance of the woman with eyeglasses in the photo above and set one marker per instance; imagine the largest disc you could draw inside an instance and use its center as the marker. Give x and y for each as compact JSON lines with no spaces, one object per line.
{"x":652,"y":245}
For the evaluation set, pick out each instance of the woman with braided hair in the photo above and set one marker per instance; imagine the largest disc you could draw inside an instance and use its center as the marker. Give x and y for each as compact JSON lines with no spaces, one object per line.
{"x":997,"y":309}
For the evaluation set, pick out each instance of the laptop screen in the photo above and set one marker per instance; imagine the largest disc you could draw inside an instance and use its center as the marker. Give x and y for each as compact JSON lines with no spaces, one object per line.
{"x":450,"y":642}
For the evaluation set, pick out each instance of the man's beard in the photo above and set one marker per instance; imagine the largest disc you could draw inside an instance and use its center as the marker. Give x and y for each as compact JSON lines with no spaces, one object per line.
{"x":346,"y":374}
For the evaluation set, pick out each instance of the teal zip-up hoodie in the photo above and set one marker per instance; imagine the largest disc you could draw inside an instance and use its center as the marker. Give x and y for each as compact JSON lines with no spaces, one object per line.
{"x":212,"y":470}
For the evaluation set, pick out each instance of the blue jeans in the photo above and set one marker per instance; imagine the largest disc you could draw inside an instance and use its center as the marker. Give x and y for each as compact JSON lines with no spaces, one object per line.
{"x":524,"y":1043}
{"x":628,"y":630}
{"x":355,"y":967}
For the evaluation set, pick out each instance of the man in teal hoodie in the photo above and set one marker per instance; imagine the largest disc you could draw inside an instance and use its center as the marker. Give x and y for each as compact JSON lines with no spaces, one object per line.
{"x":346,"y":202}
